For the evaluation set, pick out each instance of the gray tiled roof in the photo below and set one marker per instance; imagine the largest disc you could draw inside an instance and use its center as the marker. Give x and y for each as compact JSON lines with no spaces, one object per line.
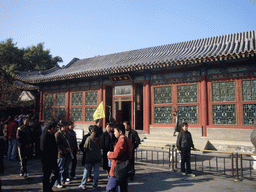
{"x":223,"y":47}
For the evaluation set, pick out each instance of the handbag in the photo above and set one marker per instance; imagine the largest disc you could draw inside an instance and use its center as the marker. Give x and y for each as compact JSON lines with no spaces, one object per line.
{"x":122,"y":169}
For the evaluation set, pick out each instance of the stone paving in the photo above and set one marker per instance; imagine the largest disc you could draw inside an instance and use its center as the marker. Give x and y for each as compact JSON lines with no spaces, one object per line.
{"x":149,"y":178}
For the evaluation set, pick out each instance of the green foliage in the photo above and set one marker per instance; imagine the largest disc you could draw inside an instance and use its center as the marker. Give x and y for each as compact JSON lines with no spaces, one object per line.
{"x":34,"y":58}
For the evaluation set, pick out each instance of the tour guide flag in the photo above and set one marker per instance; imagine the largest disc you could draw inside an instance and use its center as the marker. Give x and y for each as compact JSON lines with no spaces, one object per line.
{"x":99,"y":113}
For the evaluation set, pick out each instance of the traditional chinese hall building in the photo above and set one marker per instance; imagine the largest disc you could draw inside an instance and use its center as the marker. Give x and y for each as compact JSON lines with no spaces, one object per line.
{"x":210,"y":81}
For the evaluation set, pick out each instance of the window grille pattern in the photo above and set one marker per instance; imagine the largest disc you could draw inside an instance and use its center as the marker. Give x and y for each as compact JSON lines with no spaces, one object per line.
{"x":60,"y":113}
{"x":91,"y":98}
{"x":224,"y":114}
{"x":249,"y":90}
{"x":48,"y":100}
{"x":76,"y":114}
{"x":162,"y":95}
{"x":188,"y":114}
{"x":223,"y":91}
{"x":48,"y":113}
{"x":163,"y":115}
{"x":60,"y":99}
{"x":249,"y":113}
{"x":77,"y":99}
{"x":89,"y":113}
{"x":187,"y":93}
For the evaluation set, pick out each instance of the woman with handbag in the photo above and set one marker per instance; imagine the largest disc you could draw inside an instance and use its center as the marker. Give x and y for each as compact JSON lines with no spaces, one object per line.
{"x":120,"y":158}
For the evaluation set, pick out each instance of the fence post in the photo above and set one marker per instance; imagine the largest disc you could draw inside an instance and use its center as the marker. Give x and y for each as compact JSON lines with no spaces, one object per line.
{"x":173,"y":158}
{"x":237,"y":174}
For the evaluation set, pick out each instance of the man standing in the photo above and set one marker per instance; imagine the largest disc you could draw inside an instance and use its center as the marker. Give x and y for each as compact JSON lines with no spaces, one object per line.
{"x":11,"y":136}
{"x":184,"y":144}
{"x":135,"y":139}
{"x":64,"y":153}
{"x":93,"y":157}
{"x":24,"y":145}
{"x":73,"y":143}
{"x":49,"y":156}
{"x":36,"y":133}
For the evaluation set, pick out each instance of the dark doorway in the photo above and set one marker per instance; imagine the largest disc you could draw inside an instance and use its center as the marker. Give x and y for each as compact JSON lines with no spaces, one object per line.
{"x":123,"y":111}
{"x":126,"y":111}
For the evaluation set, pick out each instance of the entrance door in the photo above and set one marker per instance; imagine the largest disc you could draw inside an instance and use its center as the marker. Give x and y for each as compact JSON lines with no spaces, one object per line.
{"x":123,"y":111}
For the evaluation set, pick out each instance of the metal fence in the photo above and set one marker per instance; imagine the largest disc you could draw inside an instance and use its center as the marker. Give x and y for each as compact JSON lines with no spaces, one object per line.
{"x":237,"y":165}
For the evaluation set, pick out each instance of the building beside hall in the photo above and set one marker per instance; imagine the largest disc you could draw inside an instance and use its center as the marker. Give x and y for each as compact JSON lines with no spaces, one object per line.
{"x":210,"y":81}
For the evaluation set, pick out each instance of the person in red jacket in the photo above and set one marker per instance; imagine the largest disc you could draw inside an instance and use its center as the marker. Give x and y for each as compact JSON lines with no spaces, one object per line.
{"x":122,"y":152}
{"x":12,"y":140}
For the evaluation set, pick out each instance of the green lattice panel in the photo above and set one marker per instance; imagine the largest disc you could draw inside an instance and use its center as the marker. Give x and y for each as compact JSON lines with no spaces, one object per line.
{"x":162,"y":95}
{"x":60,"y":99}
{"x":187,"y":93}
{"x":188,"y":114}
{"x":224,"y":114}
{"x":163,"y":115}
{"x":89,"y":113}
{"x":91,"y":98}
{"x":76,"y":114}
{"x":48,"y":100}
{"x":249,"y":113}
{"x":48,"y":114}
{"x":77,"y":99}
{"x":249,"y":90}
{"x":223,"y":91}
{"x":60,"y":113}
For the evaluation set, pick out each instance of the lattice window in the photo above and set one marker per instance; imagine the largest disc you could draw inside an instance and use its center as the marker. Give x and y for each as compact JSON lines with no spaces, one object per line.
{"x":89,"y":113}
{"x":187,"y":93}
{"x":249,"y":113}
{"x":77,"y":99}
{"x":249,"y":90}
{"x":162,"y":95}
{"x":224,"y":114}
{"x":163,"y":115}
{"x":48,"y":100}
{"x":223,"y":91}
{"x":60,"y":99}
{"x":60,"y":113}
{"x":91,"y":98}
{"x":48,"y":113}
{"x":188,"y":114}
{"x":76,"y":114}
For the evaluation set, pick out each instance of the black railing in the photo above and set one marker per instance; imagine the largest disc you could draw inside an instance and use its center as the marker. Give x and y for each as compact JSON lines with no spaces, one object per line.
{"x":237,"y":165}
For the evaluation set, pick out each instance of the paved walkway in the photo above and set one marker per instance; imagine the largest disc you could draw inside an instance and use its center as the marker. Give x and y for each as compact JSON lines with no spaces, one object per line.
{"x":148,"y":178}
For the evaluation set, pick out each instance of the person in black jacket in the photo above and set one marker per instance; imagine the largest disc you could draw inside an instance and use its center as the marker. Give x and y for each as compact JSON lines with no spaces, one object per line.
{"x":109,"y":139}
{"x":24,"y":138}
{"x":49,"y":156}
{"x":184,"y":144}
{"x":81,"y":147}
{"x":135,"y":139}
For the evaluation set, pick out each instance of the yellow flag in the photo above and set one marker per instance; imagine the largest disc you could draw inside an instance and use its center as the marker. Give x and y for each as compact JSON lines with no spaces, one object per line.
{"x":99,"y":113}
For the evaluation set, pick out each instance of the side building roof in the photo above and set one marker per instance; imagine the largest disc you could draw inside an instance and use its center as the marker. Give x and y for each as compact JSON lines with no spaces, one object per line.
{"x":212,"y":49}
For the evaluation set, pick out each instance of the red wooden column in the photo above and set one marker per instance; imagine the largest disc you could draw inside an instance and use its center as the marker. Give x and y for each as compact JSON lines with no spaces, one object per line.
{"x":104,"y":103}
{"x":100,"y":99}
{"x":146,"y":106}
{"x":67,"y":105}
{"x":204,"y":104}
{"x":41,"y":106}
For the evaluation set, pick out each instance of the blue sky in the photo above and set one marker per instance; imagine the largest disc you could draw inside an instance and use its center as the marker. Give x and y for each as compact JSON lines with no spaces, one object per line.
{"x":83,"y":29}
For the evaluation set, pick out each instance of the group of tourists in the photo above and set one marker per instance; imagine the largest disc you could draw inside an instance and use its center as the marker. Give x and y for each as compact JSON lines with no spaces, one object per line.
{"x":61,"y":146}
{"x":10,"y":137}
{"x":56,"y":144}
